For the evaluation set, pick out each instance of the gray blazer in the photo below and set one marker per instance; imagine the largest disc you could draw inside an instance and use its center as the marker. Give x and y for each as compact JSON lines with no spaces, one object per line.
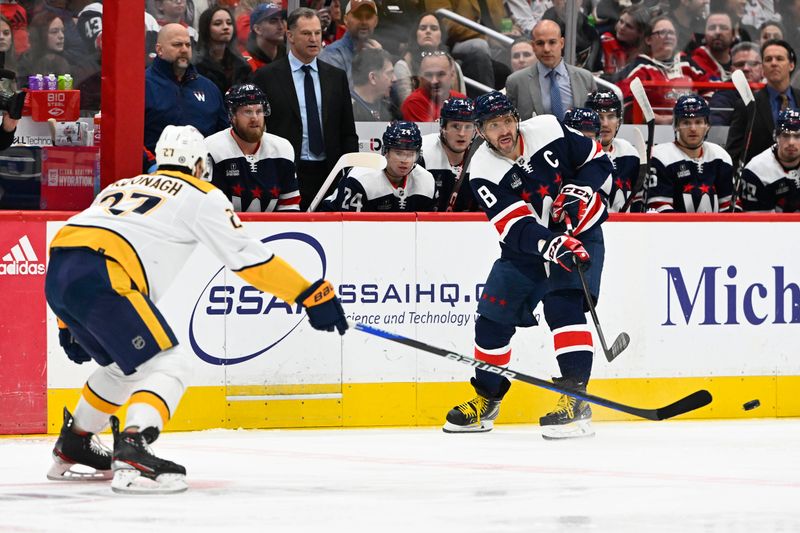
{"x":522,"y":88}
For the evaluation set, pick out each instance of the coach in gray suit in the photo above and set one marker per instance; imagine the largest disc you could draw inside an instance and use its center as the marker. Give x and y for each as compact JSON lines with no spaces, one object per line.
{"x":549,"y":85}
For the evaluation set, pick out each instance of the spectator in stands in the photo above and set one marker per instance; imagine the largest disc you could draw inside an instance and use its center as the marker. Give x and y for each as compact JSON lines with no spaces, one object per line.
{"x":267,"y":35}
{"x":747,"y":58}
{"x":217,"y":59}
{"x":373,"y":75}
{"x":622,"y":47}
{"x":522,"y":55}
{"x":736,"y":9}
{"x":311,"y":104}
{"x":771,"y":29}
{"x":334,"y":28}
{"x":361,"y":18}
{"x":173,"y":12}
{"x":254,"y":169}
{"x":17,"y":19}
{"x":174,"y":91}
{"x":687,"y":19}
{"x":187,"y":15}
{"x":778,"y":61}
{"x":8,"y":54}
{"x":526,"y":14}
{"x":714,"y":57}
{"x":241,"y":18}
{"x":469,"y":47}
{"x":586,"y":38}
{"x":790,"y":18}
{"x":46,"y":52}
{"x":427,"y":35}
{"x":550,"y":85}
{"x":660,"y":62}
{"x":437,"y":76}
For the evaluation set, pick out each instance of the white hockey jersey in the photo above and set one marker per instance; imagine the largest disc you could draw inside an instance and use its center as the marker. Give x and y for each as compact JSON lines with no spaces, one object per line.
{"x":151,"y":223}
{"x":768,"y":186}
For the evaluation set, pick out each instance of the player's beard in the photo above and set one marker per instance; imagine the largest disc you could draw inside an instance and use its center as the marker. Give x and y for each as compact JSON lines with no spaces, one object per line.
{"x":250,"y":134}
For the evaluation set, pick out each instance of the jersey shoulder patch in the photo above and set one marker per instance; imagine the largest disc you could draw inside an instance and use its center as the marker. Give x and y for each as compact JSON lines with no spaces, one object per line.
{"x":423,"y":182}
{"x":487,"y":165}
{"x":432,"y":151}
{"x":623,"y":148}
{"x":712,"y":151}
{"x":766,"y":167}
{"x":539,"y":131}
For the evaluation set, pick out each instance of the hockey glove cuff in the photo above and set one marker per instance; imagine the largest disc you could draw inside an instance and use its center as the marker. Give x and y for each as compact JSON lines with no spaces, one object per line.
{"x":565,"y":251}
{"x":74,"y":351}
{"x":323,"y":308}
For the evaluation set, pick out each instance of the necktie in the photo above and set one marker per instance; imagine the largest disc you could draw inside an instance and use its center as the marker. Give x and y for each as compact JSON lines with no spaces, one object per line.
{"x":784,"y":101}
{"x":312,"y":114}
{"x":555,"y":96}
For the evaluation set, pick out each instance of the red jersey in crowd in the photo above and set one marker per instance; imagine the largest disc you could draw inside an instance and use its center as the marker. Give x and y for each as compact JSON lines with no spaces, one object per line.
{"x":419,"y":107}
{"x":662,"y":99}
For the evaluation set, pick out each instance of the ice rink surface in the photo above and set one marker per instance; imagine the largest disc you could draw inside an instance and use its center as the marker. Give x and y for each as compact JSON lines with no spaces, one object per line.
{"x":708,"y":476}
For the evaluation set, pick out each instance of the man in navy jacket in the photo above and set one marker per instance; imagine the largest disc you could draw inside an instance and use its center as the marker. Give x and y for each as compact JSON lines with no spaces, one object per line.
{"x":175,"y":93}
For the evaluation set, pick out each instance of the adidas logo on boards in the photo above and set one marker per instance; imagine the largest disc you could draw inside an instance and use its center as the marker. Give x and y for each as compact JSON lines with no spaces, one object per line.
{"x":21,"y":260}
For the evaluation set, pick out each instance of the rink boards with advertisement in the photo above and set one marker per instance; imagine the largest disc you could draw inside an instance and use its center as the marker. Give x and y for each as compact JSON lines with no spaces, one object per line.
{"x":709,"y":302}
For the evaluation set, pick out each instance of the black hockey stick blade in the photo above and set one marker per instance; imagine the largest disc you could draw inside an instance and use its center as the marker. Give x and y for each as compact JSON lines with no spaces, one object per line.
{"x":622,"y":340}
{"x":684,"y":405}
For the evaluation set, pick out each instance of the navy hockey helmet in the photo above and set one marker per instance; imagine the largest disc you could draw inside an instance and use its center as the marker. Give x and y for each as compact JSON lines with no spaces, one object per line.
{"x":604,"y":102}
{"x":788,"y":121}
{"x":245,"y":94}
{"x":493,"y":104}
{"x":458,"y":109}
{"x":690,"y":106}
{"x":402,"y":135}
{"x":583,"y":119}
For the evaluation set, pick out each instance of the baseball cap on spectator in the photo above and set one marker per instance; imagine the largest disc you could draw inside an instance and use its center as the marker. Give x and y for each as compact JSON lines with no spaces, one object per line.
{"x":264,"y":11}
{"x":353,"y":5}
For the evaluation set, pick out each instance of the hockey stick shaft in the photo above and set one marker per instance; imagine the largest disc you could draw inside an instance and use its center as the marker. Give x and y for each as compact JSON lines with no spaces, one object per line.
{"x":640,"y":95}
{"x":473,"y":147}
{"x":621,"y":342}
{"x":684,"y":405}
{"x":746,"y":94}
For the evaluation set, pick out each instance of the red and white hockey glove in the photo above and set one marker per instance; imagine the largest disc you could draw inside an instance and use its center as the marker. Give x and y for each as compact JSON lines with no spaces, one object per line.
{"x":565,"y":251}
{"x":579,"y":204}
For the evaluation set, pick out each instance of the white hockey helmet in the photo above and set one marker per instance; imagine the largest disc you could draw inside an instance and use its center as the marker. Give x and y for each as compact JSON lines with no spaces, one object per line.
{"x":183,"y":146}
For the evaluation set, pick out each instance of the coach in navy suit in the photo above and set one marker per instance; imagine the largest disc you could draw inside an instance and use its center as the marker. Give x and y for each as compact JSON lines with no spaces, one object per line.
{"x":310,"y":102}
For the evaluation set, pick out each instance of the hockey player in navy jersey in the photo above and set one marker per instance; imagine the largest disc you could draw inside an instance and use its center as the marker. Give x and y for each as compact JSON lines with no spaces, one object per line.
{"x":109,"y":267}
{"x":690,"y":174}
{"x":254,"y":169}
{"x":402,"y":186}
{"x":530,"y":179}
{"x":623,"y":155}
{"x":444,"y":153}
{"x":771,"y":180}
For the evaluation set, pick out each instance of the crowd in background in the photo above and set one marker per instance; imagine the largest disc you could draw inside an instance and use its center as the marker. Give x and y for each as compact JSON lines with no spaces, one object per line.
{"x":401,"y":60}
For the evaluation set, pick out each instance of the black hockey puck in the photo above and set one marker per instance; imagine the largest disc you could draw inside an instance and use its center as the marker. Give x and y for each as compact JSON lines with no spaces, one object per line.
{"x":752,"y":404}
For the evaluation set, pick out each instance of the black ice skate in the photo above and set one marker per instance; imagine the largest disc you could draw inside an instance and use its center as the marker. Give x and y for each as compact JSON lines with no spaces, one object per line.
{"x":73,"y":453}
{"x":137,"y":470}
{"x":572,"y":418}
{"x":478,"y":414}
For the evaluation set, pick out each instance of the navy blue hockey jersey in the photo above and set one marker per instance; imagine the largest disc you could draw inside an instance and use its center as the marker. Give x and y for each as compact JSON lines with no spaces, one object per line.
{"x":678,"y":183}
{"x":262,"y":182}
{"x":369,"y":190}
{"x":625,"y":160}
{"x":517,"y":196}
{"x":435,"y":161}
{"x":768,"y":186}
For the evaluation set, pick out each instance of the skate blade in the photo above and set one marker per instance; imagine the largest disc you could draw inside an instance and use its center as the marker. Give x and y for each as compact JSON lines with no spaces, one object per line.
{"x":575,"y":430}
{"x":131,"y":481}
{"x":482,"y":427}
{"x":65,"y":471}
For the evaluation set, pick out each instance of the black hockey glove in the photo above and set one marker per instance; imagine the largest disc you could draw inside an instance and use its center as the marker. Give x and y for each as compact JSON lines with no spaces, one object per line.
{"x":565,"y":251}
{"x":323,"y":308}
{"x":74,"y":351}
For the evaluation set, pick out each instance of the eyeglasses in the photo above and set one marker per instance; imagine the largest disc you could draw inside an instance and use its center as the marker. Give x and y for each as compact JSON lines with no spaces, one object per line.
{"x":742,"y":64}
{"x":250,"y":113}
{"x":665,"y":33}
{"x":517,"y":55}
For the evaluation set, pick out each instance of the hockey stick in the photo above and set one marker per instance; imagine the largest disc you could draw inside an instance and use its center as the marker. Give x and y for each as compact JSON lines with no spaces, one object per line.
{"x":650,"y":118}
{"x":623,"y":339}
{"x":746,"y":93}
{"x":473,"y":147}
{"x":353,"y":159}
{"x":689,"y":403}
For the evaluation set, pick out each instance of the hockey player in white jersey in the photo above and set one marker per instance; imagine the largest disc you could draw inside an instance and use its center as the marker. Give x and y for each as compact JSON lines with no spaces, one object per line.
{"x":771,"y":180}
{"x":402,"y":186}
{"x":443,"y":154}
{"x":254,"y":169}
{"x":109,"y":266}
{"x":623,"y":155}
{"x":690,"y":174}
